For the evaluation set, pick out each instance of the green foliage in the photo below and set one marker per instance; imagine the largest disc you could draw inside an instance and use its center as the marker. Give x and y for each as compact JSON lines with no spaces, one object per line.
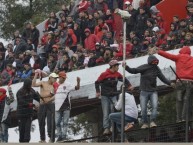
{"x":81,"y":125}
{"x":167,"y":109}
{"x":13,"y":15}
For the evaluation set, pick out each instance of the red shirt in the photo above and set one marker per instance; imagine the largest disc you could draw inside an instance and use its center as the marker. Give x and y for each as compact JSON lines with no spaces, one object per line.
{"x":184,"y":62}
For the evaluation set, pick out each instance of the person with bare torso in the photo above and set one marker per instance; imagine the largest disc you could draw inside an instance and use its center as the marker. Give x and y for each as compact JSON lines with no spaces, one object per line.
{"x":47,"y":107}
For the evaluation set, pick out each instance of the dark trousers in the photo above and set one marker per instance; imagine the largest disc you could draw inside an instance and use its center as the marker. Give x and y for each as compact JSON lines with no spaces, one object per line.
{"x":24,"y":129}
{"x":184,"y":99}
{"x":47,"y":110}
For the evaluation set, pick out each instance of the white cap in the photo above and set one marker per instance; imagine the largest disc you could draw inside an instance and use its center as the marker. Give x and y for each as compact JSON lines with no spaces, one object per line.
{"x":127,"y":3}
{"x":53,"y":75}
{"x":114,"y":45}
{"x":28,"y":51}
{"x":97,"y":43}
{"x":155,"y":29}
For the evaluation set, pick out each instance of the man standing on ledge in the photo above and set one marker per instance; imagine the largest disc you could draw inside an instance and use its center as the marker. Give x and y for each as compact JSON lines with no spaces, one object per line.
{"x":47,"y":107}
{"x":184,"y":82}
{"x":63,"y":105}
{"x":148,"y":87}
{"x":108,"y":81}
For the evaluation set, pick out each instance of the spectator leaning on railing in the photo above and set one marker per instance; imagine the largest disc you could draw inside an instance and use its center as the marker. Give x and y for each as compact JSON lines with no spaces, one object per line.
{"x":148,"y":84}
{"x":184,"y":80}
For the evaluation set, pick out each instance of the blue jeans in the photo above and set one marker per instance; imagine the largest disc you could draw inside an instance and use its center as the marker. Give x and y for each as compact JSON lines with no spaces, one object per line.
{"x":61,"y":119}
{"x":4,"y":132}
{"x":107,"y":108}
{"x":144,"y":98}
{"x":116,"y":117}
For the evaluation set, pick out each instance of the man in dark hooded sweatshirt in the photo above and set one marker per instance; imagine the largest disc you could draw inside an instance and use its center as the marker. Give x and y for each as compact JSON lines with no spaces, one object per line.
{"x":25,"y":97}
{"x":148,"y":84}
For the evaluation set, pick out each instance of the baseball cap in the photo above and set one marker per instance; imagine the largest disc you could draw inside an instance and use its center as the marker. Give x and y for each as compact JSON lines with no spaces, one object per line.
{"x":105,"y":28}
{"x":50,"y":32}
{"x":113,"y":62}
{"x":97,"y":44}
{"x":3,"y":90}
{"x":127,"y":3}
{"x":62,"y":74}
{"x":114,"y":45}
{"x":55,"y":46}
{"x":28,"y":51}
{"x":53,"y":75}
{"x":155,"y":29}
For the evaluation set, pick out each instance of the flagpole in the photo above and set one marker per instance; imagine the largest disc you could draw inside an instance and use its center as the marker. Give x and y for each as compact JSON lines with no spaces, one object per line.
{"x":123,"y":88}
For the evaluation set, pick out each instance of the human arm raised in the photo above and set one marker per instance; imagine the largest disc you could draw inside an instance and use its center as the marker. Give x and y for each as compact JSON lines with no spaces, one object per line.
{"x":34,"y":83}
{"x":133,"y":70}
{"x":167,"y":55}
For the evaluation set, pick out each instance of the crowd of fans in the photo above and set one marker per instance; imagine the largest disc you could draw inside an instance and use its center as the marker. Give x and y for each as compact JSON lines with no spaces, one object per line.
{"x":88,"y":38}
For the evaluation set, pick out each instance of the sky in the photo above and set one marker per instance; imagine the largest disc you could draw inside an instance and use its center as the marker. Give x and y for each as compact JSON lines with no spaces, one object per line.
{"x":35,"y":135}
{"x":3,"y":41}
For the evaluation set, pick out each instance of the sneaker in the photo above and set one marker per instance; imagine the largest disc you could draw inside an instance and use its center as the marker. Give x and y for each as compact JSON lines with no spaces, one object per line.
{"x":106,"y":131}
{"x":111,"y":129}
{"x":59,"y":139}
{"x":144,"y":126}
{"x":42,"y":141}
{"x":50,"y":141}
{"x":128,"y":126}
{"x":152,"y":124}
{"x":178,"y":121}
{"x":126,"y":141}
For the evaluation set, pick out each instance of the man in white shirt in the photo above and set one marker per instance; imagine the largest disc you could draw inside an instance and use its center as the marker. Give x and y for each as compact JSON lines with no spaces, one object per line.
{"x":63,"y":105}
{"x":131,"y":112}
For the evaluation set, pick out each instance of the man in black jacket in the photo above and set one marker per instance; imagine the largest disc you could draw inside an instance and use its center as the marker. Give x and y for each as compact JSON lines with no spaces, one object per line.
{"x":25,"y":97}
{"x":108,"y":81}
{"x":148,"y":84}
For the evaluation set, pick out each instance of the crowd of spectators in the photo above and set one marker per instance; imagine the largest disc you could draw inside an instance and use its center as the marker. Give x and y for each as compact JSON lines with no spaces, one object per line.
{"x":88,"y":38}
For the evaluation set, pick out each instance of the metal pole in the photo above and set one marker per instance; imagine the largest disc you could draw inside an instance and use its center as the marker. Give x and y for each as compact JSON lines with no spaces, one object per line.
{"x":123,"y":88}
{"x":113,"y":127}
{"x":177,"y":76}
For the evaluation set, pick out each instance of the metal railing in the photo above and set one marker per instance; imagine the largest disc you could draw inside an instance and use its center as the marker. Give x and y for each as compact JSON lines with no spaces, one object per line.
{"x":165,"y":133}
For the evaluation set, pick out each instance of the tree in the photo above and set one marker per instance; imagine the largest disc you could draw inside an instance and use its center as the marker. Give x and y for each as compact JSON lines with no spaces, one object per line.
{"x":167,"y":109}
{"x":13,"y":14}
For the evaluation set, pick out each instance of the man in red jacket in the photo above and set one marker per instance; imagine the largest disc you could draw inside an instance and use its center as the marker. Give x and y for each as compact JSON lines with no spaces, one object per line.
{"x":83,"y":5}
{"x":184,"y":70}
{"x":90,"y":40}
